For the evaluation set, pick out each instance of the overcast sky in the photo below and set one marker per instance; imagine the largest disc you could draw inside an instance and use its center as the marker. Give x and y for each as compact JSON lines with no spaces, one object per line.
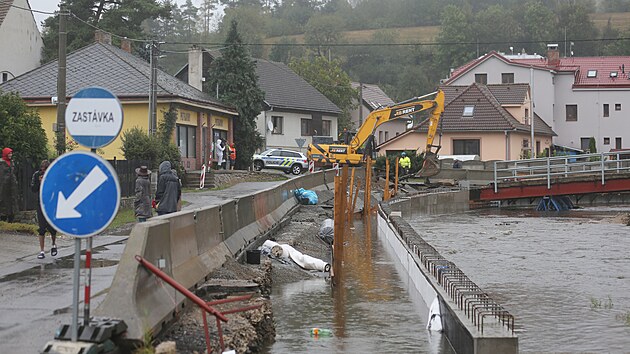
{"x":53,"y":5}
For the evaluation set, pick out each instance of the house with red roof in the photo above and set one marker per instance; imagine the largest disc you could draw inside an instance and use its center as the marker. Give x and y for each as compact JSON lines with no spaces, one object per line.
{"x":578,"y":97}
{"x":491,"y":121}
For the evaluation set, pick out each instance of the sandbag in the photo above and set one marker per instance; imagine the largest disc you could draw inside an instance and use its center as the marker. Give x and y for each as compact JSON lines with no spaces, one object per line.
{"x":327,"y":231}
{"x":305,"y":196}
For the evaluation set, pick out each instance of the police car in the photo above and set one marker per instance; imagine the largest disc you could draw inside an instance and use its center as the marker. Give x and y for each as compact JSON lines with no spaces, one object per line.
{"x":287,"y":160}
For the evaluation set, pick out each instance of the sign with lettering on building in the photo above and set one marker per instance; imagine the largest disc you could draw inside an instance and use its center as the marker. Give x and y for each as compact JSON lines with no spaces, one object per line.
{"x":94,"y":117}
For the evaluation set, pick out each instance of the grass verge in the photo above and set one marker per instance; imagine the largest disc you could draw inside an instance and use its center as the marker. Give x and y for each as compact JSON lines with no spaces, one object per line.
{"x":18,"y":227}
{"x":123,"y":217}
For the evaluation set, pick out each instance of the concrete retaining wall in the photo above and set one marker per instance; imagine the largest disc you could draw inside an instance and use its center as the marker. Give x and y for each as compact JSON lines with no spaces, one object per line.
{"x":189,"y":245}
{"x":464,"y":336}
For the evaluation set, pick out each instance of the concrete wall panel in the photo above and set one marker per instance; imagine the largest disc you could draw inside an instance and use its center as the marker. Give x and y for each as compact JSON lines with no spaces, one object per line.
{"x":183,"y":239}
{"x":229,"y":220}
{"x":208,"y":228}
{"x":245,"y":210}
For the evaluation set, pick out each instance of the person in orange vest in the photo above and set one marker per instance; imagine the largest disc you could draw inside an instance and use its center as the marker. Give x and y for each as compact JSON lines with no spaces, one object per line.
{"x":232,"y":156}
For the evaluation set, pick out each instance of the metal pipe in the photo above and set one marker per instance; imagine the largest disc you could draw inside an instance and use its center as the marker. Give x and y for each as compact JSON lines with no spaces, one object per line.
{"x":194,"y":298}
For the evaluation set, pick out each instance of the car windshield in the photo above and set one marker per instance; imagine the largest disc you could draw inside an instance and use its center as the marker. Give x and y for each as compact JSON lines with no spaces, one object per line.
{"x":266,"y":152}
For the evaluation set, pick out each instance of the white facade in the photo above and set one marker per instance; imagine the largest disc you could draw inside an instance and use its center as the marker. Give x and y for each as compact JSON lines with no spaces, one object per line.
{"x":385,"y":131}
{"x":20,"y":42}
{"x":553,"y":91}
{"x":291,"y":129}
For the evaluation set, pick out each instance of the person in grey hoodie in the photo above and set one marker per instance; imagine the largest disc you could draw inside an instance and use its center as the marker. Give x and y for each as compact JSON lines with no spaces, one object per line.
{"x":168,"y":190}
{"x":142,"y":203}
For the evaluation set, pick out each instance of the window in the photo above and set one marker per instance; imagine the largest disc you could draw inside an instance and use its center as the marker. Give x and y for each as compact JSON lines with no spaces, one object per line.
{"x":606,"y":110}
{"x":481,"y":78}
{"x":584,"y":144}
{"x":591,"y":73}
{"x":380,"y":137}
{"x":187,"y":140}
{"x":507,"y":78}
{"x":386,"y":135}
{"x":618,"y":143}
{"x":525,"y":143}
{"x":526,"y":115}
{"x":613,"y":74}
{"x":606,"y":141}
{"x":572,"y":113}
{"x":326,"y":125}
{"x":537,"y":148}
{"x":466,"y":147}
{"x":5,"y":77}
{"x":290,"y":154}
{"x":305,"y":127}
{"x":617,"y":106}
{"x":277,"y":122}
{"x":468,"y":111}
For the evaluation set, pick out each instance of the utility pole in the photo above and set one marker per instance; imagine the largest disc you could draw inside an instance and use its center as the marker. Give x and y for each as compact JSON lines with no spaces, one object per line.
{"x":153,"y":89}
{"x":360,"y":104}
{"x":531,"y":111}
{"x":60,"y":131}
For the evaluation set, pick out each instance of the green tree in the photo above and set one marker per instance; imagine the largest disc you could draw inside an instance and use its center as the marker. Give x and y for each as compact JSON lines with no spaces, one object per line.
{"x":252,"y":24}
{"x":322,"y":31}
{"x":285,"y":50}
{"x":21,"y":129}
{"x":234,"y":72}
{"x":538,"y":23}
{"x":122,"y":17}
{"x":495,"y":25}
{"x":574,"y":21}
{"x":456,"y":38}
{"x":329,"y":78}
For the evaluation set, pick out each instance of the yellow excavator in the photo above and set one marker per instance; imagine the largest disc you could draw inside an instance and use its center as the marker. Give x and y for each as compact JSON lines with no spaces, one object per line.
{"x":350,"y":153}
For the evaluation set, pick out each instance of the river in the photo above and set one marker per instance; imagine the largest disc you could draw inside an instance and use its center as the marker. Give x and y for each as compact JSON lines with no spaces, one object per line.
{"x":564,"y":276}
{"x":371,"y":311}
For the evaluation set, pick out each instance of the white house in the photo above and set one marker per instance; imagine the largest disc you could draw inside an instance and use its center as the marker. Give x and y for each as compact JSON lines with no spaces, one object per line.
{"x":578,"y":97}
{"x":294,"y":109}
{"x":372,"y":97}
{"x":20,"y":41}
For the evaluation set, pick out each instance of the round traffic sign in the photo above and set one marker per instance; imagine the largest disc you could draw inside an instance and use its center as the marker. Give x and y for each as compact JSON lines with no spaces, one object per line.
{"x":80,"y":194}
{"x":94,"y":117}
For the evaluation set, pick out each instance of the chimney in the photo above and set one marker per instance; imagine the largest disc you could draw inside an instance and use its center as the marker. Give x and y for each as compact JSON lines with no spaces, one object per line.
{"x":195,"y":67}
{"x":553,"y":55}
{"x":125,"y":44}
{"x":102,"y":37}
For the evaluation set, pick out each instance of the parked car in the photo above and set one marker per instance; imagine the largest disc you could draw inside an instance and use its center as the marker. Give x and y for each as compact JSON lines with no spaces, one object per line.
{"x":287,"y":160}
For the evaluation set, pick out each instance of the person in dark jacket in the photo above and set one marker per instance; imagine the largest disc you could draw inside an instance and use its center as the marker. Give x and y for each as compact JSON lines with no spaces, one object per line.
{"x":142,"y":203}
{"x":36,"y":183}
{"x":168,"y":190}
{"x":8,"y":187}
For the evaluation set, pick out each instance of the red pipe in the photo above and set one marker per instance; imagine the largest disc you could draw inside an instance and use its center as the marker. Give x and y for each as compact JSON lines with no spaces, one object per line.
{"x":232,"y":299}
{"x":194,"y":298}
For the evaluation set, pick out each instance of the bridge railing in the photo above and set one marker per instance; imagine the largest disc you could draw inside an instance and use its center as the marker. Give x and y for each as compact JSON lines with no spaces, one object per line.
{"x":561,"y":166}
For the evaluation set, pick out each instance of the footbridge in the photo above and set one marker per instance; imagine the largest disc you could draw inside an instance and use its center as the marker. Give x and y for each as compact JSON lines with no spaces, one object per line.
{"x":575,"y":175}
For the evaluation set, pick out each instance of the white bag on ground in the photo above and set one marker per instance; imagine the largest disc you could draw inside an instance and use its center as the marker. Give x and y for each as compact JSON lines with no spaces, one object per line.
{"x":303,"y":260}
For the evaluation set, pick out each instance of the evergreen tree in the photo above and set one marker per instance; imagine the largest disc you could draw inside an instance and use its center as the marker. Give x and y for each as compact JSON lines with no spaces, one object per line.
{"x":235,"y":74}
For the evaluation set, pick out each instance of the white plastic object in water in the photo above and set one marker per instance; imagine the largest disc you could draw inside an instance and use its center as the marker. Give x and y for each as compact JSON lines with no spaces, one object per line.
{"x":435,"y":318}
{"x":303,"y":260}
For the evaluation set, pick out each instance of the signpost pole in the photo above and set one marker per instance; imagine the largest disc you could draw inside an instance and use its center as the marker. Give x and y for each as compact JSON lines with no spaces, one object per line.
{"x":75,"y":289}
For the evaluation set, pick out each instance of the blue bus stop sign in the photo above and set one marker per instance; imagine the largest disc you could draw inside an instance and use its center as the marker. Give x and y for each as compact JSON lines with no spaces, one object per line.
{"x":94,"y":117}
{"x":80,"y":194}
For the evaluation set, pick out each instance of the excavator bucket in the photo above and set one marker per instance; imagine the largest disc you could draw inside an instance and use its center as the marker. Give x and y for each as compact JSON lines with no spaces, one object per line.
{"x":430,"y":166}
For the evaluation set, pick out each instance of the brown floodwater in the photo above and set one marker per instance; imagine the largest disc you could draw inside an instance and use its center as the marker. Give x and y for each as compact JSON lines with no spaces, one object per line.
{"x":564,"y":276}
{"x":371,"y":310}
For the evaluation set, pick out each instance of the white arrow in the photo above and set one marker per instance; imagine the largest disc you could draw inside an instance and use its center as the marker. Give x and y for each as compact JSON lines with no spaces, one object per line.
{"x":65,"y":207}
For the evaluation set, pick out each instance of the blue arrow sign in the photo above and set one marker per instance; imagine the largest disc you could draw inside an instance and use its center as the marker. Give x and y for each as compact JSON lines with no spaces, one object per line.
{"x":80,"y":194}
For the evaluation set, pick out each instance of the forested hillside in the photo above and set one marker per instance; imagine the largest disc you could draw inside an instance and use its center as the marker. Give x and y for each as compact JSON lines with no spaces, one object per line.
{"x":405,"y":46}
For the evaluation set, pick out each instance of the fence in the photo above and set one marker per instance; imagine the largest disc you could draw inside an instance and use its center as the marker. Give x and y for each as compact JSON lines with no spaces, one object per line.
{"x":125,"y":169}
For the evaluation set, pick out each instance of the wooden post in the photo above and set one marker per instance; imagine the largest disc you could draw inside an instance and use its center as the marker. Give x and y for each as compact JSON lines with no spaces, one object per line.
{"x":339,"y":220}
{"x":396,"y":178}
{"x":356,"y":194}
{"x":350,"y":206}
{"x":368,"y":186}
{"x":386,"y":191}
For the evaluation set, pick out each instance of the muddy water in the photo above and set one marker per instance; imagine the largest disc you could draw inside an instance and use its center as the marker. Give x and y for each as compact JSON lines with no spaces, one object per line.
{"x":372,"y":312}
{"x":565,"y":277}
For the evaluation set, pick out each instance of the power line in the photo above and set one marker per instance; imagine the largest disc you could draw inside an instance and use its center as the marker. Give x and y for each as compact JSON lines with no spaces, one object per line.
{"x":27,"y":9}
{"x":108,"y":32}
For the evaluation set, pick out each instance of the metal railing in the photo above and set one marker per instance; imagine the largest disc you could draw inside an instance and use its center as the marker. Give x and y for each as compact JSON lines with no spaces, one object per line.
{"x":468,"y":296}
{"x":601,"y":164}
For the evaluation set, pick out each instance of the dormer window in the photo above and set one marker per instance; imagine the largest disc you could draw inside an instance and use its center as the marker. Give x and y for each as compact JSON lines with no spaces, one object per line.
{"x":613,"y":74}
{"x":591,"y":73}
{"x":468,"y":111}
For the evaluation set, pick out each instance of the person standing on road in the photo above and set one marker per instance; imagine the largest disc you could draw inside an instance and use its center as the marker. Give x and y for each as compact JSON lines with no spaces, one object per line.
{"x":142,"y":203}
{"x":168,"y":190}
{"x":36,"y":183}
{"x":219,"y":148}
{"x":8,"y":187}
{"x":232,"y":156}
{"x":405,"y":163}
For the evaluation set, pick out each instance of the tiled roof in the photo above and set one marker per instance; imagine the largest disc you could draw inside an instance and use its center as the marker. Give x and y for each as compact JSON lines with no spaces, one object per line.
{"x":5,"y":5}
{"x":373,"y":96}
{"x":285,"y":89}
{"x":506,"y":94}
{"x":97,"y":64}
{"x":579,"y":65}
{"x":488,"y":113}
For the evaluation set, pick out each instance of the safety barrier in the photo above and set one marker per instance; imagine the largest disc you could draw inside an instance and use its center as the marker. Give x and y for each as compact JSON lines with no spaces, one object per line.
{"x":471,"y":320}
{"x":189,"y":245}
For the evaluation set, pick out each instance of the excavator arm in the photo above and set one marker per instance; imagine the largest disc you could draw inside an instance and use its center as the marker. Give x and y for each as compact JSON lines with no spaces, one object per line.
{"x":430,"y":165}
{"x":349,"y":153}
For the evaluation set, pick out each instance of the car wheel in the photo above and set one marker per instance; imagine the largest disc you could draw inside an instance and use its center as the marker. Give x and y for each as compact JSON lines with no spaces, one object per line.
{"x":296,"y":169}
{"x":258,"y":165}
